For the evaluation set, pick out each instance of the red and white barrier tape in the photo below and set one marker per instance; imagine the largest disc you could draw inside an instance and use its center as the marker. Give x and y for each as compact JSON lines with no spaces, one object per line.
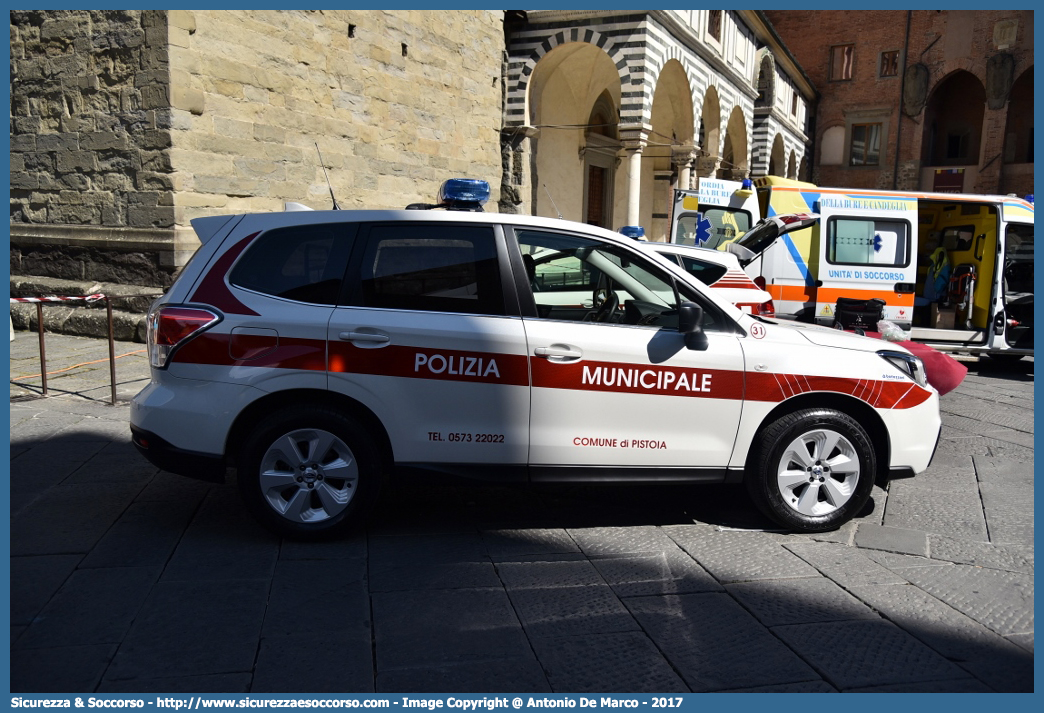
{"x":85,"y":298}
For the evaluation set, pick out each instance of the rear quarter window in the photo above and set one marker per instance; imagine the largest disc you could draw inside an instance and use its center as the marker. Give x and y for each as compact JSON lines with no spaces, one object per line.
{"x":301,"y":263}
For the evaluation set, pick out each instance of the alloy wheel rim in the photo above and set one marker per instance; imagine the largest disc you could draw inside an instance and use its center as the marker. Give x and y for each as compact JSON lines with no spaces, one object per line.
{"x":308,"y":475}
{"x":818,"y":472}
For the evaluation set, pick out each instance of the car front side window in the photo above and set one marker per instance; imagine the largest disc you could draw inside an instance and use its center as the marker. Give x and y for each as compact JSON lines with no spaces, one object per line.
{"x":579,"y":279}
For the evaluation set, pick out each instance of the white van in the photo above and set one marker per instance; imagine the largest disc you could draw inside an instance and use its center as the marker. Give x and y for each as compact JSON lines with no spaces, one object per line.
{"x":955,"y":269}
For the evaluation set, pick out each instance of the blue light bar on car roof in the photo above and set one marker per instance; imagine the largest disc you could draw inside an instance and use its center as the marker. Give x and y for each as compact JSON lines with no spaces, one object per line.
{"x":464,"y":193}
{"x":633,"y":231}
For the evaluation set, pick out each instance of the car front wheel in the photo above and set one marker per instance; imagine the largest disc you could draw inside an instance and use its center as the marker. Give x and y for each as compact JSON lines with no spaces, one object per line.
{"x":308,"y":472}
{"x":812,"y":470}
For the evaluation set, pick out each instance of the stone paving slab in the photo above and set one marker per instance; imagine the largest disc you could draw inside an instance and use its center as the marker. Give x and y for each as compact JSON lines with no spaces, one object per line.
{"x":961,"y":685}
{"x":803,"y":687}
{"x":77,"y":517}
{"x":509,"y":545}
{"x":1001,"y":601}
{"x":945,"y":512}
{"x":94,"y":606}
{"x":896,"y":560}
{"x":738,"y":556}
{"x":472,"y":625}
{"x":216,"y":683}
{"x":799,"y":601}
{"x":1010,"y":558}
{"x":981,"y":652}
{"x":670,"y":572}
{"x":1025,"y":641}
{"x":608,"y":541}
{"x":716,"y":645}
{"x":301,"y":587}
{"x":993,"y":470}
{"x":892,"y":539}
{"x":606,"y":663}
{"x":1009,"y":513}
{"x":34,"y":580}
{"x":948,"y":472}
{"x":515,"y":675}
{"x":856,"y":654}
{"x":847,"y":566}
{"x":570,"y":611}
{"x":61,"y":669}
{"x":223,"y":543}
{"x":144,"y":535}
{"x":534,"y":575}
{"x":194,"y":628}
{"x":323,"y":664}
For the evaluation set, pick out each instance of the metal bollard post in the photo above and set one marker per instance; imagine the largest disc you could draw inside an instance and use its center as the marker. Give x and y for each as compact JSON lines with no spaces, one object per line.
{"x":43,"y":351}
{"x":112,"y":352}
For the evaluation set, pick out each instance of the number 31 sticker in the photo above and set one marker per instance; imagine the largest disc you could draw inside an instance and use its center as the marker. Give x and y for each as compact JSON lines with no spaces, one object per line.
{"x":757,"y":331}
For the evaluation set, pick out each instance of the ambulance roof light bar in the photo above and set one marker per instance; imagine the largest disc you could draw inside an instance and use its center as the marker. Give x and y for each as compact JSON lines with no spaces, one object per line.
{"x":458,"y":194}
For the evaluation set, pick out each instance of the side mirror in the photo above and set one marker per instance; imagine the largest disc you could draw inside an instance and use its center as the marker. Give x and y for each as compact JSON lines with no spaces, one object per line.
{"x":689,"y":317}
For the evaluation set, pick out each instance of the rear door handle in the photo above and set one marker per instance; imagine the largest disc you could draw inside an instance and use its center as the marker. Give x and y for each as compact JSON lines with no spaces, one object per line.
{"x":558,"y":352}
{"x":364,"y":337}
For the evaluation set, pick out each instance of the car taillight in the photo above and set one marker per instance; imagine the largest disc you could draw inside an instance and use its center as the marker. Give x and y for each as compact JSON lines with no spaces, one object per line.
{"x":169,"y":327}
{"x":765,"y":309}
{"x":760,"y":282}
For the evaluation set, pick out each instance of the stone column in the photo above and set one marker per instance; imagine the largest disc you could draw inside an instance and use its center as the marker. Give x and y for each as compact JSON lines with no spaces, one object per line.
{"x":634,"y":142}
{"x":515,"y":179}
{"x":683,"y":157}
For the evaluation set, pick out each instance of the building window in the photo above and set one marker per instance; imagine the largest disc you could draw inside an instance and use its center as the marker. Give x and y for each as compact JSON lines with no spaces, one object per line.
{"x":865,"y":148}
{"x":890,"y":64}
{"x":714,"y":25}
{"x":841,"y":62}
{"x":794,"y":105}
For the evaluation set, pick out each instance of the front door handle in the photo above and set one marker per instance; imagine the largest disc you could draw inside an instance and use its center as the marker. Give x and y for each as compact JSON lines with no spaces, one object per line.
{"x":364,"y":337}
{"x":558,"y":352}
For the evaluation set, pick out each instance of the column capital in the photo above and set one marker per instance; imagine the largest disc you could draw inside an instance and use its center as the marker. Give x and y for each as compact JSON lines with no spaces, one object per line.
{"x":635,"y":137}
{"x":683,"y":155}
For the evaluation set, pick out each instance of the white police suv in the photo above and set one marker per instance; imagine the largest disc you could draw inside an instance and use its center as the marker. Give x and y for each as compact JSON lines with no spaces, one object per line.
{"x":315,"y":351}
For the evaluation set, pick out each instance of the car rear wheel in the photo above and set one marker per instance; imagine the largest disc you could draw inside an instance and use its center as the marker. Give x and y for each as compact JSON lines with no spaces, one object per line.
{"x":308,"y":472}
{"x":812,"y":470}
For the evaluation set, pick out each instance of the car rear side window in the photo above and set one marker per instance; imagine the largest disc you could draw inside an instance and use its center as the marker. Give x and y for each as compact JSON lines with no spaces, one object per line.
{"x":303,"y":263}
{"x":432,"y":268}
{"x":706,"y":272}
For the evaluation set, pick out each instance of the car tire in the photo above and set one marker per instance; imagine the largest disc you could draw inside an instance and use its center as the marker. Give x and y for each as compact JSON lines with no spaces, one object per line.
{"x":309,"y":473}
{"x":812,"y":470}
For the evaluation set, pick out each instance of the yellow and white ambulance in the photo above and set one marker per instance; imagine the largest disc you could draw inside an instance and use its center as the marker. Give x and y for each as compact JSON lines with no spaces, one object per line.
{"x":954,"y":269}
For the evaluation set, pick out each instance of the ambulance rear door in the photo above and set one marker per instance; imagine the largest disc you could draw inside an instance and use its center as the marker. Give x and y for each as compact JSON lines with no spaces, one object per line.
{"x":867,"y":250}
{"x":715,"y":214}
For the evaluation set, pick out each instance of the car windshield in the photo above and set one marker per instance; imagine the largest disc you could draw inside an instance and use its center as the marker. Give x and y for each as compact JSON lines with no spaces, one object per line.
{"x":712,"y":228}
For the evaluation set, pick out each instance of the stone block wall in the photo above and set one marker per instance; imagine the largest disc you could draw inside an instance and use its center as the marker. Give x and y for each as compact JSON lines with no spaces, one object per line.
{"x":126,"y":125}
{"x":397,"y":101}
{"x":89,"y":141}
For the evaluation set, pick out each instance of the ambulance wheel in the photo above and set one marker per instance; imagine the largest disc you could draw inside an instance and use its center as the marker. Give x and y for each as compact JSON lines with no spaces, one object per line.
{"x":811,"y":470}
{"x":309,"y":473}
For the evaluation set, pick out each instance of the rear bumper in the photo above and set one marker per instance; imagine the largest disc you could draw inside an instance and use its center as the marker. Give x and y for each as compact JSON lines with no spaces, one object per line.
{"x":201,"y":466}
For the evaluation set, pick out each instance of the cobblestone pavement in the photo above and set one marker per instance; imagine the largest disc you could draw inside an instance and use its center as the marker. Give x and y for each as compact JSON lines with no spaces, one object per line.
{"x":128,"y":579}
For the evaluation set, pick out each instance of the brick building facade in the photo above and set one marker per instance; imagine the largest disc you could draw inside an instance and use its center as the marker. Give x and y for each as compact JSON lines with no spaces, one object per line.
{"x":919,"y":99}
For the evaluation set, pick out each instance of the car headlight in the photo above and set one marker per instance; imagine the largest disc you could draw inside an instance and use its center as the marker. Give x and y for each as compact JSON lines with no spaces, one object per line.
{"x":906,"y":363}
